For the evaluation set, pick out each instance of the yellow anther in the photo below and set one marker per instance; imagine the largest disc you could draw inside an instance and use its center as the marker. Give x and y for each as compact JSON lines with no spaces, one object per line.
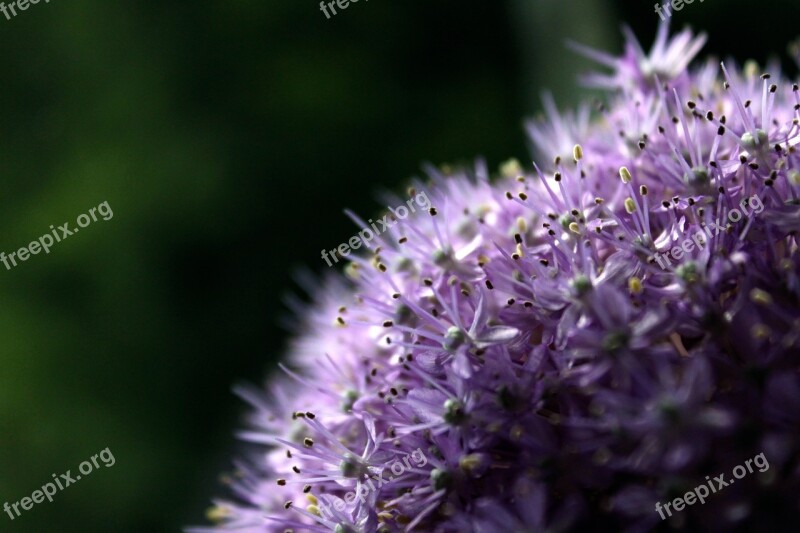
{"x":751,"y":68}
{"x":218,"y":513}
{"x":760,"y":331}
{"x":635,"y":285}
{"x":760,"y":297}
{"x":351,"y":271}
{"x":511,"y":168}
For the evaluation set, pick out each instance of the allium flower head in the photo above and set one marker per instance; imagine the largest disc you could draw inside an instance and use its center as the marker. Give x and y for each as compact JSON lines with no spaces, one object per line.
{"x":525,"y":357}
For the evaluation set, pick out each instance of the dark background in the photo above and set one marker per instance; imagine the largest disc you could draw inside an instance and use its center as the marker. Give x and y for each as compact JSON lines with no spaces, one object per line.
{"x":227,"y":138}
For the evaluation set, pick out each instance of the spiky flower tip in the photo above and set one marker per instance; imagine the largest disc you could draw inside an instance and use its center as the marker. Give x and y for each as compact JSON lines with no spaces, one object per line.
{"x":564,"y":346}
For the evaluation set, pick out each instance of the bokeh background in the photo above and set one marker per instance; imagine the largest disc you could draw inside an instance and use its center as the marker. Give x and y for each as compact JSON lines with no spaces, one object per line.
{"x":227,"y":138}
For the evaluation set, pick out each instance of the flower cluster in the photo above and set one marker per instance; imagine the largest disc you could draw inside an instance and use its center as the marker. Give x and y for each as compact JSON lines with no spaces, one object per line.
{"x":522,"y":336}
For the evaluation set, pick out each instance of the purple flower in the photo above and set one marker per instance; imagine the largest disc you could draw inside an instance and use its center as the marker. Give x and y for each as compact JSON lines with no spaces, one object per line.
{"x":529,"y":338}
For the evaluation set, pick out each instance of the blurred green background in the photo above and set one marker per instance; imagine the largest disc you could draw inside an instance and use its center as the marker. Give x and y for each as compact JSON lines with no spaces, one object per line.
{"x":227,"y":138}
